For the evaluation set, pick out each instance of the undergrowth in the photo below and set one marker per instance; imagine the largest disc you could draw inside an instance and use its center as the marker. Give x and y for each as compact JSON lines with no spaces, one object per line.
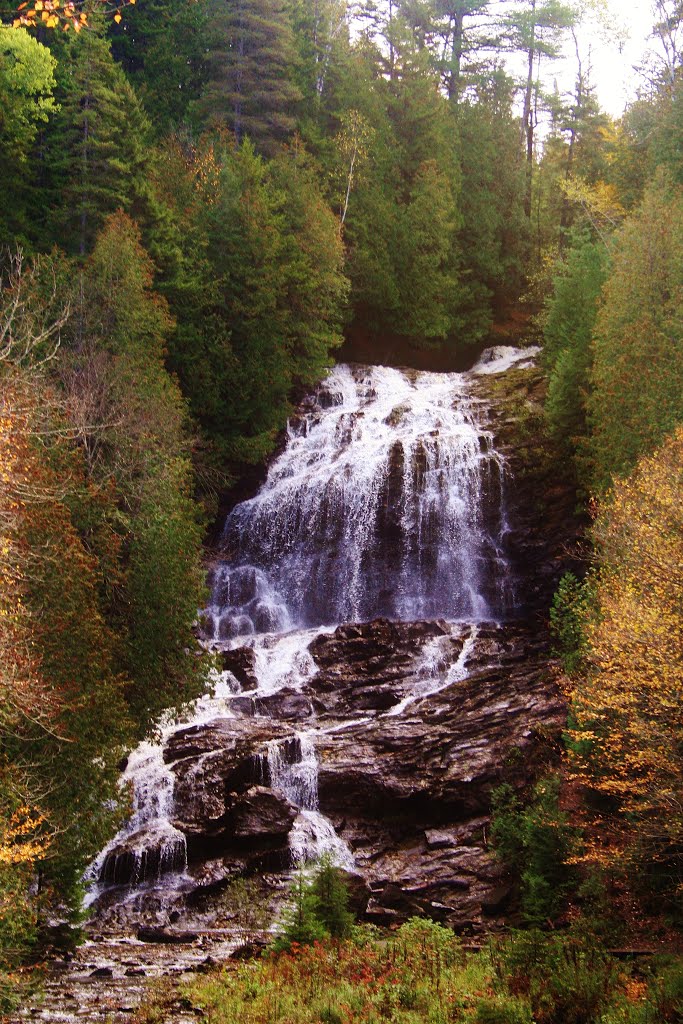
{"x":421,"y":975}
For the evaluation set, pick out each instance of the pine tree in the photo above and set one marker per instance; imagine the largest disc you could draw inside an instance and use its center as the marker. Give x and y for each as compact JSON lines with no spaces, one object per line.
{"x":300,"y":922}
{"x":96,"y":155}
{"x":161,"y":47}
{"x":333,"y":898}
{"x":637,"y":375}
{"x":250,"y":51}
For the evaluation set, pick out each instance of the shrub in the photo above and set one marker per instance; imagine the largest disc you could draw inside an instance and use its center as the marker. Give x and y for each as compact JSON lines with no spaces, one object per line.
{"x":503,"y":1010}
{"x":566,"y":981}
{"x":535,"y":842}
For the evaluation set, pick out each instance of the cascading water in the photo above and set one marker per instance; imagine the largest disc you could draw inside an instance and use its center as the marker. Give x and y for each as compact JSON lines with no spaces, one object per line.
{"x":387,"y":501}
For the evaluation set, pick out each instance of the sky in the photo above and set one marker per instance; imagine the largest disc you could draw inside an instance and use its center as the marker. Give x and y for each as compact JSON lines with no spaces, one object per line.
{"x":614,"y":47}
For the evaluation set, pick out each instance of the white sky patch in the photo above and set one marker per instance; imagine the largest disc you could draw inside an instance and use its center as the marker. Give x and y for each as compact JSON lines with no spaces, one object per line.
{"x":612,"y":50}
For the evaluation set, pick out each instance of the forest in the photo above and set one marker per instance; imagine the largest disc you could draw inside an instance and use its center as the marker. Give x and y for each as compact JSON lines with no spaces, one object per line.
{"x":201,"y":204}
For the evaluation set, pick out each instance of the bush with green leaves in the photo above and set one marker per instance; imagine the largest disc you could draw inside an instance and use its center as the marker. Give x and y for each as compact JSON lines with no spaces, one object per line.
{"x":566,"y":979}
{"x":535,"y":842}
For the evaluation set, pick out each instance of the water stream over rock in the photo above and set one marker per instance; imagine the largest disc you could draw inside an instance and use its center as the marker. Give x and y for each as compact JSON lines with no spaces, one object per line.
{"x":375,"y":680}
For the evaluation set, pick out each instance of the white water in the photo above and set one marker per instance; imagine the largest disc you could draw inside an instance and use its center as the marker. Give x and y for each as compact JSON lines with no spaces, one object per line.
{"x":435,"y":671}
{"x":388,"y":500}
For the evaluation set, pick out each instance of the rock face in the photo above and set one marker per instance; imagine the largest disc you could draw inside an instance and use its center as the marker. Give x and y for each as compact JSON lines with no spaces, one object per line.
{"x":408,"y":792}
{"x":379,"y":741}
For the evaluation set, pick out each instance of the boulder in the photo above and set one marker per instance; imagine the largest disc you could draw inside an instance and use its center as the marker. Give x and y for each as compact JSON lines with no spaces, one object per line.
{"x":241,"y":662}
{"x":261,"y":814}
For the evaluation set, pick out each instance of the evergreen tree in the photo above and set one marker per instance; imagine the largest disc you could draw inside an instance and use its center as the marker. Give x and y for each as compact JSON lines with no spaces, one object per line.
{"x":133,"y":430}
{"x":314,"y":290}
{"x":637,"y":374}
{"x":535,"y":28}
{"x":161,"y":46}
{"x":332,"y":893}
{"x":250,"y":51}
{"x":570,"y":317}
{"x":300,"y":922}
{"x":494,"y":233}
{"x":96,"y":155}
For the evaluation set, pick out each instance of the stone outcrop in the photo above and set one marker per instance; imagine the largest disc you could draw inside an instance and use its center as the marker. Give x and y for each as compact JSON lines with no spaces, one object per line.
{"x":409,"y":793}
{"x":406,"y":754}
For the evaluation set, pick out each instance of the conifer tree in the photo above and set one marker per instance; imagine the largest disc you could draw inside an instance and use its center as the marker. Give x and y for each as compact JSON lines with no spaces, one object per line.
{"x":250,"y":54}
{"x":96,"y":155}
{"x":637,"y":372}
{"x":333,"y":898}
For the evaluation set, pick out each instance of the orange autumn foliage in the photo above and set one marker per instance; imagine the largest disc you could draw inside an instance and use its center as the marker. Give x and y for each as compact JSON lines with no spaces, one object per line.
{"x":628,"y":703}
{"x":64,"y":14}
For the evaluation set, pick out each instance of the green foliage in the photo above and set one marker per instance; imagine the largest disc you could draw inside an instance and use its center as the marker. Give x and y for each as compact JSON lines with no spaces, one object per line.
{"x":300,"y":923}
{"x":164,"y":591}
{"x":637,"y":375}
{"x":535,"y":842}
{"x":404,"y":978}
{"x":565,"y":979}
{"x":332,"y":896}
{"x":569,"y":322}
{"x":503,"y":1010}
{"x":161,"y":47}
{"x":249,"y":54}
{"x":494,"y":233}
{"x":26,"y":85}
{"x":134,"y":434}
{"x":95,"y":153}
{"x":667,"y":991}
{"x":27,"y":81}
{"x":568,"y":614}
{"x":244,"y":905}
{"x":318,"y":906}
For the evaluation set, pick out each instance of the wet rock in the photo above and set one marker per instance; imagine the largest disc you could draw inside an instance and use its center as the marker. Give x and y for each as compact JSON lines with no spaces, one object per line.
{"x":287,"y":705}
{"x":261,"y":814}
{"x":102,"y":972}
{"x":148,"y":854}
{"x":241,"y":662}
{"x":166,"y":936}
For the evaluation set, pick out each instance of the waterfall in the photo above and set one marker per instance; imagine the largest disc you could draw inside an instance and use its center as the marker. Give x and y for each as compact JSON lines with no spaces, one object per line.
{"x":148,"y":846}
{"x":387,"y":500}
{"x":290,"y":767}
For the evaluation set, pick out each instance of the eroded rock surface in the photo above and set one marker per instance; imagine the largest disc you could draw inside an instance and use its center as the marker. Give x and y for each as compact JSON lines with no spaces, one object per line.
{"x":408,"y":792}
{"x":381,"y":740}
